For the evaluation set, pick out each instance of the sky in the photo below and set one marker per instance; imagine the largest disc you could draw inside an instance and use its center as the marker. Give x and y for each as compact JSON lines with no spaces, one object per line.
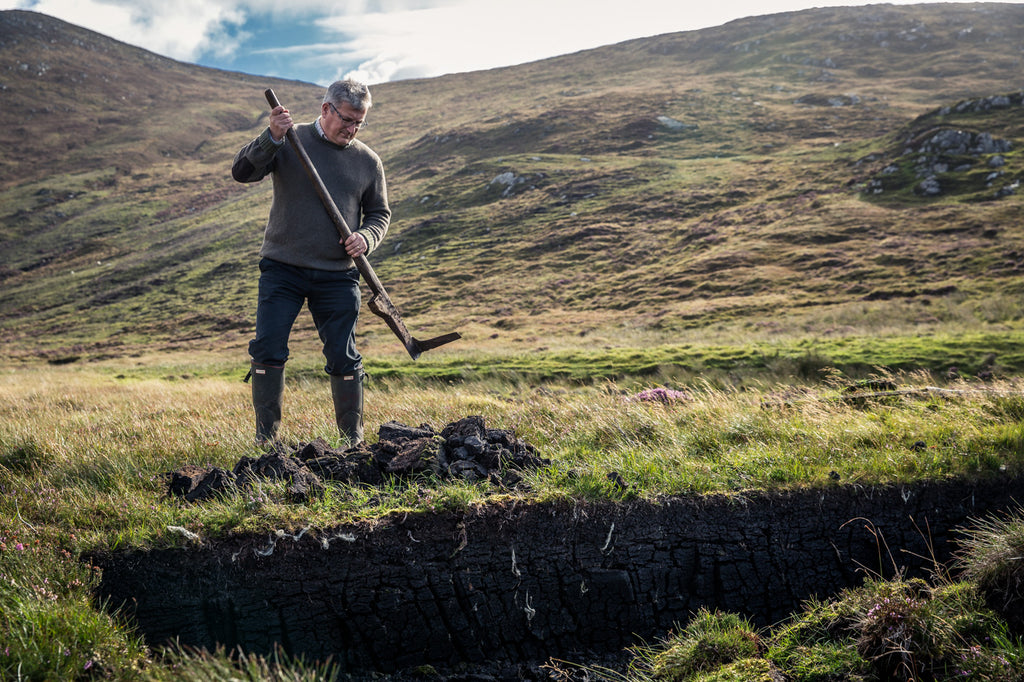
{"x":319,"y":41}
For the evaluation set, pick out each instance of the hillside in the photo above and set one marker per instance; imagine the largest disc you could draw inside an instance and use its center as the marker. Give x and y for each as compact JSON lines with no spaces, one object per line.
{"x":832,"y":172}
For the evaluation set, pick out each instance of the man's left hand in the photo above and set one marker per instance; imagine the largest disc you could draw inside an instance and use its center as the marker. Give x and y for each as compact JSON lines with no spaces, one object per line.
{"x":355,"y":245}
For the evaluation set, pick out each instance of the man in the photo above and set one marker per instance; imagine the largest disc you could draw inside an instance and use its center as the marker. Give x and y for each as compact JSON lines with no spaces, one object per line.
{"x":302,"y":258}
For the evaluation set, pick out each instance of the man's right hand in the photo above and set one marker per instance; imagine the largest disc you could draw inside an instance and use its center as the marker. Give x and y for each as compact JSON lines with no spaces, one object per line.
{"x":280,"y":123}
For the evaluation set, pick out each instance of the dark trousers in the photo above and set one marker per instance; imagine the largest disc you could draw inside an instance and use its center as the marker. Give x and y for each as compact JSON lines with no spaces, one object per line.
{"x":333,"y":299}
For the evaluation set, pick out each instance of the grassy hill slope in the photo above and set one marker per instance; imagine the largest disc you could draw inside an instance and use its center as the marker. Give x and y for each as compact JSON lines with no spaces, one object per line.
{"x":830,"y":173}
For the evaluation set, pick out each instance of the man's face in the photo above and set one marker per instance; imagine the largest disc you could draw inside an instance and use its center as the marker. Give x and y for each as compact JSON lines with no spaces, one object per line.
{"x":340,"y":122}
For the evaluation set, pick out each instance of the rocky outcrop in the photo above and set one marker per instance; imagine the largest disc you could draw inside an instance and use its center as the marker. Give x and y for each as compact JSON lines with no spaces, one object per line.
{"x":517,"y":582}
{"x":945,"y":160}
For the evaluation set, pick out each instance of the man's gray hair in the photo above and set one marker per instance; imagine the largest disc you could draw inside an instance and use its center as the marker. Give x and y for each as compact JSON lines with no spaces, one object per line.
{"x":354,"y":93}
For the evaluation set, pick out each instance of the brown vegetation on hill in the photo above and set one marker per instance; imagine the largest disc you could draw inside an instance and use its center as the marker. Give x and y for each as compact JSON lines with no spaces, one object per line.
{"x":761,"y":178}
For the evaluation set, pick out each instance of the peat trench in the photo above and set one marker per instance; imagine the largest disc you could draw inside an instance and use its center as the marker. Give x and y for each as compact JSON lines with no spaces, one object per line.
{"x":517,"y":584}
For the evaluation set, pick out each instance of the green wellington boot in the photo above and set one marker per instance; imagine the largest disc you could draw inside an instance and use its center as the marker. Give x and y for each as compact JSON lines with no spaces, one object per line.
{"x":347,"y":392}
{"x":267,"y":389}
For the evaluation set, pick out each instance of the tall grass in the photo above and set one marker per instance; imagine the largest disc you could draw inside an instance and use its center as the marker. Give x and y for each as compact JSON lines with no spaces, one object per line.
{"x":90,"y":451}
{"x":84,"y":454}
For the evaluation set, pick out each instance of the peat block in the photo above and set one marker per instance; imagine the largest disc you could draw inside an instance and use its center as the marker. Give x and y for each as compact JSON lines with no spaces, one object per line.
{"x":464,"y":449}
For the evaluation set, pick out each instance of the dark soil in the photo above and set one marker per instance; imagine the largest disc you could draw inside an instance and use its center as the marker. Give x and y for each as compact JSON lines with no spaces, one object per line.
{"x":465,"y":449}
{"x":494,"y":592}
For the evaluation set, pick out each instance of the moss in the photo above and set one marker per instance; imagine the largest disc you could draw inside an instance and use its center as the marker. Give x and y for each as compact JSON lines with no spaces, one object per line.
{"x":743,"y":670}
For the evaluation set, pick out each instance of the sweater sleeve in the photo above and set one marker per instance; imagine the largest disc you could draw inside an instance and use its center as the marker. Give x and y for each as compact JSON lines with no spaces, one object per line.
{"x":375,"y":209}
{"x":255,"y":160}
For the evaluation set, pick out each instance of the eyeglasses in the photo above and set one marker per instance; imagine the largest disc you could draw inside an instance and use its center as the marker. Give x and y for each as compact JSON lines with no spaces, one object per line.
{"x":345,"y":121}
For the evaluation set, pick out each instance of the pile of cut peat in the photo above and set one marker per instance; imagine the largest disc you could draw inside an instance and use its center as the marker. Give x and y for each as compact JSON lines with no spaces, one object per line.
{"x":465,"y":449}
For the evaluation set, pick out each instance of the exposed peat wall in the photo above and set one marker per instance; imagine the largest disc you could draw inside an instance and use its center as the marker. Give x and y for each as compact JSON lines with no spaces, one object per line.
{"x":529,"y":582}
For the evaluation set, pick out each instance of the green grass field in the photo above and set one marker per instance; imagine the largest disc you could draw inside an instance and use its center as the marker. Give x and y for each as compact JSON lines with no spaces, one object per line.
{"x":84,"y":453}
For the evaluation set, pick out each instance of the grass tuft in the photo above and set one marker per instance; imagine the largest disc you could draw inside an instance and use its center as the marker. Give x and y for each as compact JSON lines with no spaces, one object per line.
{"x":993,"y":558}
{"x":24,"y":455}
{"x":185,"y":665}
{"x":708,"y":642}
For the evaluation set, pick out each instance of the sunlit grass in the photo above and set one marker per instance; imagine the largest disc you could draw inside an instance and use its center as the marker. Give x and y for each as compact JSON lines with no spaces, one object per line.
{"x":90,"y":451}
{"x":84,"y":455}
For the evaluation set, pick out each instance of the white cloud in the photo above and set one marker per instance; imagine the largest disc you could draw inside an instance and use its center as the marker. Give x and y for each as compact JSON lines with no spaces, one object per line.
{"x":480,"y":34}
{"x":380,"y":40}
{"x":182,"y":29}
{"x":467,"y":35}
